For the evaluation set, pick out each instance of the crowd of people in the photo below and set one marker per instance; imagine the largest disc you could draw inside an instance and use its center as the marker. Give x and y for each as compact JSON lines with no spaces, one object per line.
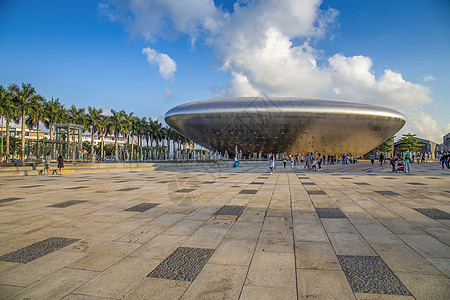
{"x":311,"y":161}
{"x":314,"y":162}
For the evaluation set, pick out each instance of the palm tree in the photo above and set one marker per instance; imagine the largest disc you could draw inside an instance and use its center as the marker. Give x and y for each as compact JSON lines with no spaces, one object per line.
{"x":54,"y":113}
{"x":104,"y":129}
{"x":164,"y":140}
{"x":157,"y":134}
{"x":170,"y":136}
{"x":147,"y":133}
{"x":130,"y":123}
{"x":118,"y":127}
{"x":142,"y":122}
{"x":36,"y":114}
{"x":94,"y":117}
{"x":24,"y":98}
{"x":8,"y":110}
{"x":151,"y":129}
{"x":78,"y":116}
{"x":2,"y":94}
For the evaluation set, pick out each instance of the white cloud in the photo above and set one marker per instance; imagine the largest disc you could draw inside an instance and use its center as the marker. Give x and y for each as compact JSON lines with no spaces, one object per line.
{"x":267,"y":46}
{"x":166,"y":65}
{"x":428,"y":77}
{"x":168,"y":94}
{"x":105,"y":11}
{"x":164,"y":18}
{"x":422,"y":125}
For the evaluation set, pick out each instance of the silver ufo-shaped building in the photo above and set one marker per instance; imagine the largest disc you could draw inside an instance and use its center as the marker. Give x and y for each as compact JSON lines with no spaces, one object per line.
{"x":284,"y":124}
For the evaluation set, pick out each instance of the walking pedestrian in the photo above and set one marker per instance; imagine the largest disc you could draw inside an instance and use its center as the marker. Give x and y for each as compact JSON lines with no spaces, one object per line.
{"x":60,"y":163}
{"x":46,"y":163}
{"x":407,"y":162}
{"x":271,"y":164}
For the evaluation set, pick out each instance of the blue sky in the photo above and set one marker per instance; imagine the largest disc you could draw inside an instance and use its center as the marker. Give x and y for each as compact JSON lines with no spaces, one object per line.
{"x":90,"y":53}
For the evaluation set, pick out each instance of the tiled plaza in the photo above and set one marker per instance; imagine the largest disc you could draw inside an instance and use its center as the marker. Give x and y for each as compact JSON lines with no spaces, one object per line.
{"x":349,"y":232}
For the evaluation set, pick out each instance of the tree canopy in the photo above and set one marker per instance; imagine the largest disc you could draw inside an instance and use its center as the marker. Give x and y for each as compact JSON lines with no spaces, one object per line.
{"x":387,"y":145}
{"x":409,"y":142}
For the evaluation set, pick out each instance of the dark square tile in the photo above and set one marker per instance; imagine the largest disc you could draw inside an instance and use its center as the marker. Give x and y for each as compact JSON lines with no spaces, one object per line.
{"x":82,"y":180}
{"x":230,"y":210}
{"x":434,"y":177}
{"x":141,"y":207}
{"x":185,"y":191}
{"x":262,"y":177}
{"x":370,"y":274}
{"x":308,"y":183}
{"x":316,"y":192}
{"x":299,"y":177}
{"x":435,"y":214}
{"x":329,"y":212}
{"x":4,"y":200}
{"x":183,"y":264}
{"x":236,"y":186}
{"x":389,"y":178}
{"x":248,"y":192}
{"x":222,"y":177}
{"x":31,"y":186}
{"x":76,"y":187}
{"x":416,"y":183}
{"x":208,"y":182}
{"x":387,"y":193}
{"x":128,"y":189}
{"x":120,"y":181}
{"x":37,"y":250}
{"x":346,"y":178}
{"x":163,"y":181}
{"x":256,"y":182}
{"x":66,"y":203}
{"x":361,"y":183}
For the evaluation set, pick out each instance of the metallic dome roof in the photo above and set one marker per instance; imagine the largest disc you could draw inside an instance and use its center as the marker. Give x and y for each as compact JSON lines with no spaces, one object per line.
{"x":284,"y":124}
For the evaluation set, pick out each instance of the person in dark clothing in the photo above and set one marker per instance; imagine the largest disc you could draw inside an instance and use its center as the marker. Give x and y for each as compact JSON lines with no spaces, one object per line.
{"x":60,"y":163}
{"x":445,"y":160}
{"x":393,"y":161}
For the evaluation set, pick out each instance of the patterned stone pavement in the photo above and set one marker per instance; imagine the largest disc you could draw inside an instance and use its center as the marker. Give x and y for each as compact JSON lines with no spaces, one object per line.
{"x":349,"y":232}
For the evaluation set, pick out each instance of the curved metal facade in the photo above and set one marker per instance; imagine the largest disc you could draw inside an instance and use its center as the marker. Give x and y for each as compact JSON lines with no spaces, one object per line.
{"x":282,"y":124}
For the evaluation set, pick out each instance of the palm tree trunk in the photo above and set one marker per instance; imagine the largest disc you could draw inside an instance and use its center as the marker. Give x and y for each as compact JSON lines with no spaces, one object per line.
{"x":151,"y":144}
{"x":92,"y":145}
{"x":37,"y":139}
{"x":116,"y":147}
{"x":147,"y":137}
{"x":168,"y":149}
{"x":51,"y":132}
{"x":126,"y":145}
{"x":1,"y":157}
{"x":157,"y":148}
{"x":132,"y":146}
{"x":7,"y":136}
{"x":22,"y":149}
{"x":101,"y":147}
